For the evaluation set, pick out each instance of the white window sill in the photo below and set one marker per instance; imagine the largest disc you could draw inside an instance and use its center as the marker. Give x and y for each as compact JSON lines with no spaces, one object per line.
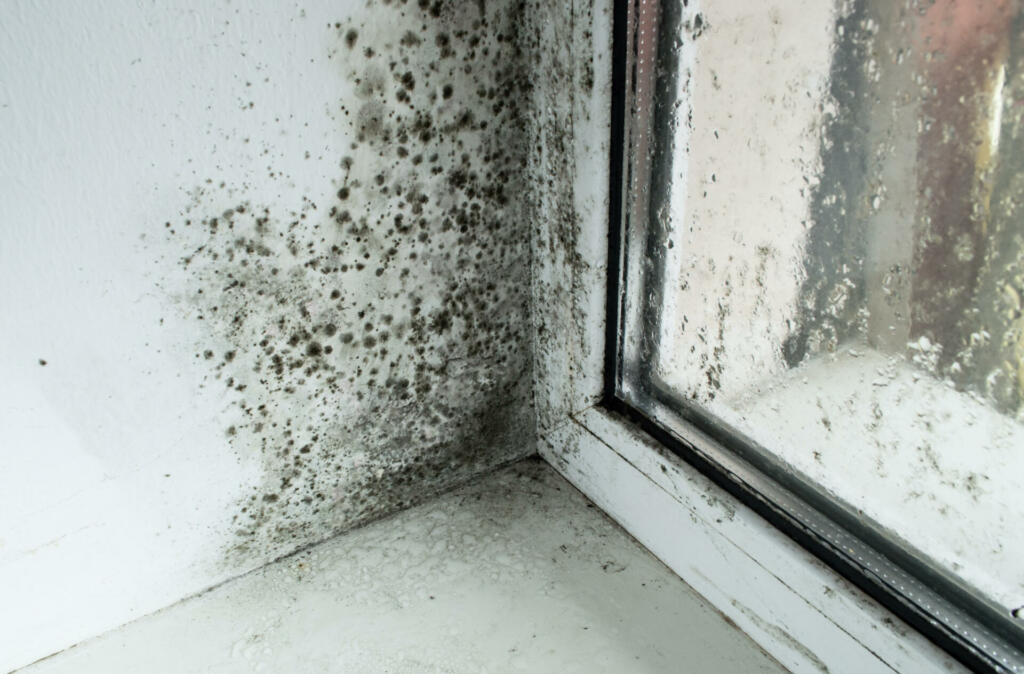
{"x":789,"y":602}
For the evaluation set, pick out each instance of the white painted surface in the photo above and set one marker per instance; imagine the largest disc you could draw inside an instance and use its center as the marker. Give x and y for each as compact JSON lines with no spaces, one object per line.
{"x":793,"y":606}
{"x":115,"y":488}
{"x":121,"y":473}
{"x":570,"y":231}
{"x":516,"y":573}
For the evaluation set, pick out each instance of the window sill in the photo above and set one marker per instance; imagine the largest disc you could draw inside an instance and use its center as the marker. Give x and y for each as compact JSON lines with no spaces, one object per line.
{"x":793,"y":606}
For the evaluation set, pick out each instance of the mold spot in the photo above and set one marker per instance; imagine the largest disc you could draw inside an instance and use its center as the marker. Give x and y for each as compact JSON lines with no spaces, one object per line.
{"x":371,"y":122}
{"x":379,"y":353}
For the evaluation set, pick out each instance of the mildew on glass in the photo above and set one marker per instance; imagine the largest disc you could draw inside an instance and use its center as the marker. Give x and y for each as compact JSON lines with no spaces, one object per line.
{"x":842,"y":266}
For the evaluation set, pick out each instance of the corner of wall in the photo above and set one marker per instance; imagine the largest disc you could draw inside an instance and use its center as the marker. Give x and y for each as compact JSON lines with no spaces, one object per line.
{"x":568,"y":165}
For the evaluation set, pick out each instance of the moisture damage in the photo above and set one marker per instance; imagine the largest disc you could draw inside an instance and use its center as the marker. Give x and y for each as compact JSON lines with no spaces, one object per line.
{"x":375,"y":349}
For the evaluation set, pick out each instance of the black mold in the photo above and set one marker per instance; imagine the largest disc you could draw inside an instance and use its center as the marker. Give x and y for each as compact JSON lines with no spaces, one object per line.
{"x":380,"y":353}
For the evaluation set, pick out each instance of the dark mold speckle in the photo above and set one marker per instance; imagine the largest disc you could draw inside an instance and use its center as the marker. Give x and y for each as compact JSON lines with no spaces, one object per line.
{"x":379,"y":353}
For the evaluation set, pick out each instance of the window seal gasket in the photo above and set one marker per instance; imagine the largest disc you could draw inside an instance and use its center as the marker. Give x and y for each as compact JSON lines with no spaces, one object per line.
{"x":737,"y":465}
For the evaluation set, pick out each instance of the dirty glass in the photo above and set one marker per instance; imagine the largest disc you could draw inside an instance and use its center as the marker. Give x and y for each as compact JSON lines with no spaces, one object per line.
{"x":826,"y":256}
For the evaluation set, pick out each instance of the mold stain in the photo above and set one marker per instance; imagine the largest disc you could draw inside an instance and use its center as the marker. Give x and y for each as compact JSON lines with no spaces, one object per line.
{"x":374,"y":349}
{"x":562,"y":73}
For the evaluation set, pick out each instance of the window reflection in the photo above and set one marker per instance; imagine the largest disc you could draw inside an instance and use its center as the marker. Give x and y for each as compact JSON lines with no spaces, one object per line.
{"x":844,"y":258}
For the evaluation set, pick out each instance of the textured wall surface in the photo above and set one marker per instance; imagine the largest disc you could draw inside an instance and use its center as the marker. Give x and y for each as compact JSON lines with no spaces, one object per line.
{"x":266,"y":275}
{"x":569,"y":47}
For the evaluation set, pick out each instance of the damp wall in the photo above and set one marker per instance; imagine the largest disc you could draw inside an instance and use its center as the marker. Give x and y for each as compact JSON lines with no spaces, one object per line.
{"x":265,"y":273}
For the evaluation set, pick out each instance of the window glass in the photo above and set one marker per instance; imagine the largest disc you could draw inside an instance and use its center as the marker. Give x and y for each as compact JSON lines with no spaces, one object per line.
{"x":835,"y":253}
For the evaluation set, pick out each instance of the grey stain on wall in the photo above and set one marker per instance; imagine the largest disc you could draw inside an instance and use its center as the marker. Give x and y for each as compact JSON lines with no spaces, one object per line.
{"x":559,"y":45}
{"x":374,"y":348}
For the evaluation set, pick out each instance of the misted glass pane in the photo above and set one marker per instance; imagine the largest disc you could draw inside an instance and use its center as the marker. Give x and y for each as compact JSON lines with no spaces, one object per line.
{"x":843,"y":262}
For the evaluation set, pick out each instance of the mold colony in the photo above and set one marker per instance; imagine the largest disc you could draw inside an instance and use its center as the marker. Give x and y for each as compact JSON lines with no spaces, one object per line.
{"x":375,"y":349}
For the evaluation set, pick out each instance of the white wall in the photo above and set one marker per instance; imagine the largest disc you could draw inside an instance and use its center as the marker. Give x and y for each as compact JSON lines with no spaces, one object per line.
{"x":141,"y":463}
